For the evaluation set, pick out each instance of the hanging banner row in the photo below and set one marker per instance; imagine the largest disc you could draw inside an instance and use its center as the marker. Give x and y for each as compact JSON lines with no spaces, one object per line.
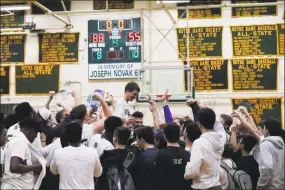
{"x":236,"y":12}
{"x":53,"y":48}
{"x":17,"y":19}
{"x":250,"y":40}
{"x":248,"y":75}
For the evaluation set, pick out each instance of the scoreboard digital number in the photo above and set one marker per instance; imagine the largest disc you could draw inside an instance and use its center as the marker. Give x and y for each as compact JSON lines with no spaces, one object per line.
{"x":114,"y":44}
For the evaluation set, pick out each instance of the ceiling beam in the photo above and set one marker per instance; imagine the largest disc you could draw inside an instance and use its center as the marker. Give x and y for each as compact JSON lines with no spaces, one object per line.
{"x":64,"y":8}
{"x":167,"y":12}
{"x":50,"y":12}
{"x":169,"y":8}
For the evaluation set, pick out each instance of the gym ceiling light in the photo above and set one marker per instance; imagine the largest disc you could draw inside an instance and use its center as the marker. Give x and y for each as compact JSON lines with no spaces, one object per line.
{"x":15,"y":8}
{"x":172,"y":2}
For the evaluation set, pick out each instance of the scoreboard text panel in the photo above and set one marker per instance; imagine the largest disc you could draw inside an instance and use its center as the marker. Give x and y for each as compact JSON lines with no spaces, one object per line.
{"x":114,"y":48}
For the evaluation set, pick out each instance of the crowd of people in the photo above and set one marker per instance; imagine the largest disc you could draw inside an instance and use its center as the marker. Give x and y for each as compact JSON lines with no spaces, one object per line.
{"x":111,"y":148}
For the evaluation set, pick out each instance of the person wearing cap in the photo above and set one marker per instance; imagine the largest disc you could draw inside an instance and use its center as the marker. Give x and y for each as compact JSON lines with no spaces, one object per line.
{"x":44,"y":117}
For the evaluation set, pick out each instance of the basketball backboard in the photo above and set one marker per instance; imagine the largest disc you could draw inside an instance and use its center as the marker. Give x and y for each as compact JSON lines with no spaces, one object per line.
{"x":154,"y":81}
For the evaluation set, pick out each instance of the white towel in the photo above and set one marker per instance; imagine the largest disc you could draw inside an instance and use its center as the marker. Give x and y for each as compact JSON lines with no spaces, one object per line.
{"x":42,"y":161}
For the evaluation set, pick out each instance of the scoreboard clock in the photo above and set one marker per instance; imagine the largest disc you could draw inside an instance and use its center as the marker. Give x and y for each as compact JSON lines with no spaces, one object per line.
{"x":114,"y":44}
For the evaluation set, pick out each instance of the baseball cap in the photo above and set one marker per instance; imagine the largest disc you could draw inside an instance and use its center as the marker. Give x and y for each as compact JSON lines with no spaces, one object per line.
{"x":44,"y":113}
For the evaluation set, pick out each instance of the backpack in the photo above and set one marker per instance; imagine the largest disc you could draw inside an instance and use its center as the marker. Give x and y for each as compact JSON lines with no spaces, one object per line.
{"x":119,"y":178}
{"x":237,"y":179}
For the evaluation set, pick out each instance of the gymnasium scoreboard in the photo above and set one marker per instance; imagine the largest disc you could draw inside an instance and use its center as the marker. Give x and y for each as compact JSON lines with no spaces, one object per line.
{"x":114,"y":48}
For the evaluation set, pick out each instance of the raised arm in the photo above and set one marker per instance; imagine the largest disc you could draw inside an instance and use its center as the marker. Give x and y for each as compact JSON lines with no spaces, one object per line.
{"x":50,"y":97}
{"x":98,"y":126}
{"x":167,"y":113}
{"x":155,"y":114}
{"x":246,"y":125}
{"x":194,"y":106}
{"x":77,"y":97}
{"x":249,"y":119}
{"x":233,"y":138}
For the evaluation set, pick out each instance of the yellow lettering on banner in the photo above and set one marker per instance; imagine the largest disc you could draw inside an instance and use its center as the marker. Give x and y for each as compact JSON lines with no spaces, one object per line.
{"x":262,"y":33}
{"x":46,"y":36}
{"x":250,"y":61}
{"x":71,"y":35}
{"x":182,"y":30}
{"x":48,"y":67}
{"x":266,"y":27}
{"x":268,"y":101}
{"x":3,"y":73}
{"x":237,"y":28}
{"x":263,"y":106}
{"x":250,"y":28}
{"x":207,"y":35}
{"x":26,"y":67}
{"x":4,"y":37}
{"x":213,"y":67}
{"x":251,"y":101}
{"x":213,"y":29}
{"x":197,"y":30}
{"x":238,"y":61}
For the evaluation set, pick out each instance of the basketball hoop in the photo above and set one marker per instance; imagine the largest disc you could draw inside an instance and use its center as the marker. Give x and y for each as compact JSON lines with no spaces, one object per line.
{"x":161,"y":95}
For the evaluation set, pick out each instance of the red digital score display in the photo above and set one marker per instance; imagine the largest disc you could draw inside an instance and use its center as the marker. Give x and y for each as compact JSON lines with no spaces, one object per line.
{"x":111,"y":55}
{"x":97,"y":38}
{"x":133,"y":36}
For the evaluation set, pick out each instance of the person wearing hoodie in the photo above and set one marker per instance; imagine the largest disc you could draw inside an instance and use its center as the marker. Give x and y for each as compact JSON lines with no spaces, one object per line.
{"x":206,"y":153}
{"x":114,"y":157}
{"x":271,"y":161}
